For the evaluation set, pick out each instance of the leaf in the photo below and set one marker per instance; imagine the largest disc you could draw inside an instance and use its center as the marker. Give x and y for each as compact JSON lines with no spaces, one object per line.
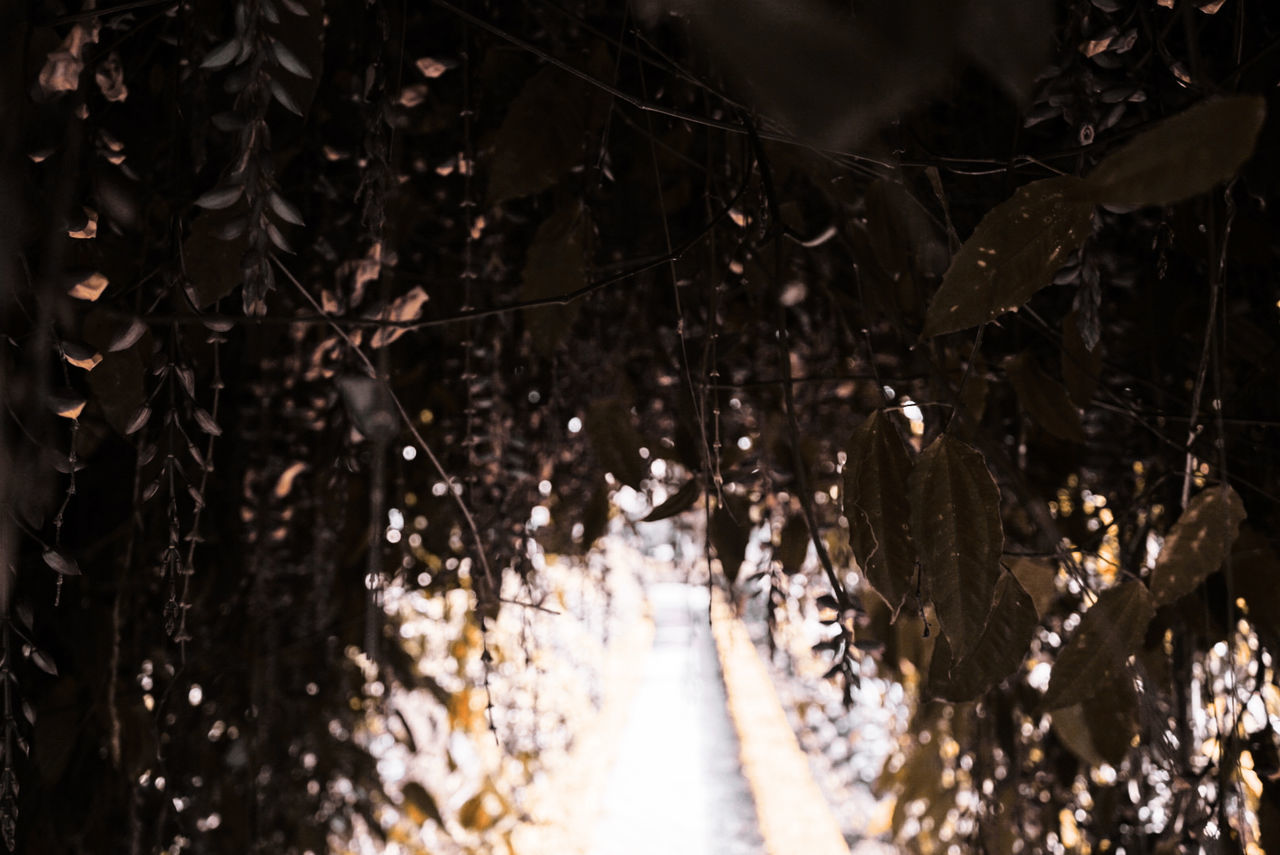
{"x":554,"y":266}
{"x":1037,"y":577}
{"x":614,"y":441}
{"x":127,"y":336}
{"x":44,"y":662}
{"x":793,"y":545}
{"x":212,"y":256}
{"x":1081,"y":366}
{"x":282,"y":95}
{"x":220,"y":197}
{"x":403,"y":309}
{"x":1110,"y":631}
{"x":678,"y":502}
{"x":1100,"y":729}
{"x":595,"y":515}
{"x":61,"y":562}
{"x":1045,"y":399}
{"x":285,"y":209}
{"x":80,"y":355}
{"x":206,"y":422}
{"x":1012,"y":254}
{"x":288,"y":60}
{"x":1183,"y":156}
{"x":541,"y":136}
{"x":88,"y":287}
{"x":878,"y":508}
{"x":221,"y":56}
{"x":997,"y":654}
{"x":955,"y":522}
{"x":66,"y":403}
{"x":118,"y":387}
{"x":421,"y":804}
{"x":1197,"y":543}
{"x":729,"y":531}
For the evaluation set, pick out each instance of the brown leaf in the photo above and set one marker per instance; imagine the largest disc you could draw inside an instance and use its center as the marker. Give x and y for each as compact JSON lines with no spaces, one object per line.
{"x":878,"y":509}
{"x":1110,"y":631}
{"x":1197,"y":543}
{"x":998,"y":652}
{"x":955,"y":522}
{"x":1012,"y":254}
{"x":1044,"y":398}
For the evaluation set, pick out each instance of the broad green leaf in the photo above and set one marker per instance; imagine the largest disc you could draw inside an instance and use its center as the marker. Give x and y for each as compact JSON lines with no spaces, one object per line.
{"x":1045,"y":399}
{"x":555,"y":266}
{"x":877,"y":507}
{"x":793,"y":544}
{"x":998,"y":652}
{"x":1012,"y":254}
{"x":615,"y":442}
{"x":1183,"y":156}
{"x":678,"y":502}
{"x":1108,"y":634}
{"x":955,"y":522}
{"x":1197,"y":543}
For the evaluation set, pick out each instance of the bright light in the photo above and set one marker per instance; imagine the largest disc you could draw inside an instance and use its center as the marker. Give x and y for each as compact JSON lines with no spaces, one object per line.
{"x":575,"y":424}
{"x":409,"y":452}
{"x":539,"y":517}
{"x":396,"y":518}
{"x":195,"y":695}
{"x":744,"y":443}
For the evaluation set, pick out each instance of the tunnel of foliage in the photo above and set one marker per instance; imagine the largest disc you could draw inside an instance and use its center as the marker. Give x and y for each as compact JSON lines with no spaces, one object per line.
{"x":967,"y":311}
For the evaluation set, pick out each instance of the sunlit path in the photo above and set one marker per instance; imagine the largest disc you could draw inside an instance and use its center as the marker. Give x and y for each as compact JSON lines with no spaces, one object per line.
{"x":676,"y":786}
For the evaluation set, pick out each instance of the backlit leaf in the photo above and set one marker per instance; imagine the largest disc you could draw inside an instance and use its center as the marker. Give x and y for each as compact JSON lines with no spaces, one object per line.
{"x":421,"y":804}
{"x":998,"y":652}
{"x":878,"y":509}
{"x":1045,"y":399}
{"x":955,"y":522}
{"x":88,"y":287}
{"x":1012,"y":254}
{"x":1183,"y":156}
{"x":1110,"y":631}
{"x":66,"y":403}
{"x":61,"y":562}
{"x":1197,"y":543}
{"x":1037,"y":577}
{"x":678,"y":502}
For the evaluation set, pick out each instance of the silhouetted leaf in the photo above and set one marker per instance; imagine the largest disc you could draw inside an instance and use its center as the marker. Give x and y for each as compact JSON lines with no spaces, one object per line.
{"x":730,"y":531}
{"x":878,"y":509}
{"x":1255,"y":575}
{"x":1044,"y":398}
{"x":1197,"y":543}
{"x":212,"y":256}
{"x":1013,"y":253}
{"x":955,"y":522}
{"x":555,"y":266}
{"x":793,"y":544}
{"x":1183,"y":156}
{"x":998,"y":652}
{"x":595,"y":515}
{"x":421,"y":804}
{"x":678,"y":502}
{"x":1081,"y":367}
{"x":540,"y":138}
{"x":615,"y":442}
{"x":220,"y":197}
{"x":1110,"y":631}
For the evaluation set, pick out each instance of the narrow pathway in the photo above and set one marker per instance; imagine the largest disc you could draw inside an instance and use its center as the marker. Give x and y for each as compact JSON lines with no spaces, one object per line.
{"x":677,"y":786}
